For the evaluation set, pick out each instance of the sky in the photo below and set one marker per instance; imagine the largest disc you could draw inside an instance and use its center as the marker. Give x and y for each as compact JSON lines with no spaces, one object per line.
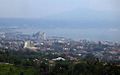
{"x":89,"y":19}
{"x":44,"y":8}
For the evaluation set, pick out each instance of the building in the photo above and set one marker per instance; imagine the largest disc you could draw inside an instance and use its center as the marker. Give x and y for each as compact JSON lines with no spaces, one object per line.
{"x":40,"y":36}
{"x":59,"y":58}
{"x":29,"y":45}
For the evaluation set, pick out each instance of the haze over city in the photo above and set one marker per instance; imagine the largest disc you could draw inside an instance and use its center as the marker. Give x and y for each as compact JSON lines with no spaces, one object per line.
{"x":76,"y":19}
{"x":59,"y":37}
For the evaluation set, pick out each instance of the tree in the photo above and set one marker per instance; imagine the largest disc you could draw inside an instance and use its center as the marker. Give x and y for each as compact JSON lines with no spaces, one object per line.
{"x":61,"y":68}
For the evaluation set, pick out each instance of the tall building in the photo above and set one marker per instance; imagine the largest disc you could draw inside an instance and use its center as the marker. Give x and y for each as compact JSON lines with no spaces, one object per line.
{"x":40,"y":36}
{"x":28,"y":44}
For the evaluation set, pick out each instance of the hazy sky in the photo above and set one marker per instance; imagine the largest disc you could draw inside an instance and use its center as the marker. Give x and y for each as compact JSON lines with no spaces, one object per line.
{"x":92,"y":19}
{"x":43,"y":8}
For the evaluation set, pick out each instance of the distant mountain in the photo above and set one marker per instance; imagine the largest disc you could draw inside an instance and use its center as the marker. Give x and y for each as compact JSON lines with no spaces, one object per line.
{"x":94,"y":25}
{"x":21,"y":23}
{"x":77,"y":18}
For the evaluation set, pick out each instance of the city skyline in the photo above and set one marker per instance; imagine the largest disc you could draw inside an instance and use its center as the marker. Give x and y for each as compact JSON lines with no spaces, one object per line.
{"x":59,"y":37}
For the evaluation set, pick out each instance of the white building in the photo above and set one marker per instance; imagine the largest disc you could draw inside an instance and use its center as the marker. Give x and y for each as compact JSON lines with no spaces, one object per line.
{"x":59,"y":58}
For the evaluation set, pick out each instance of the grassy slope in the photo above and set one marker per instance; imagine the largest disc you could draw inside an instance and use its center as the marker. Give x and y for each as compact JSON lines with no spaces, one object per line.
{"x":7,"y":69}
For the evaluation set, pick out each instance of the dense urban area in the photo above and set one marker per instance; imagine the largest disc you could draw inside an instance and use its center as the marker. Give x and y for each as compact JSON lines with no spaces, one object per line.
{"x":39,"y":54}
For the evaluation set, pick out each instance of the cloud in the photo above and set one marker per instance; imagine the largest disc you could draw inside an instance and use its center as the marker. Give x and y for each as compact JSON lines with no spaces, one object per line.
{"x":42,"y":8}
{"x":102,"y":5}
{"x":113,"y":30}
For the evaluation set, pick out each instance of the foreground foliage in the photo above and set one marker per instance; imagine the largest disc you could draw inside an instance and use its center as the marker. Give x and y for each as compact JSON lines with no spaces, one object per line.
{"x":9,"y":69}
{"x":14,"y":63}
